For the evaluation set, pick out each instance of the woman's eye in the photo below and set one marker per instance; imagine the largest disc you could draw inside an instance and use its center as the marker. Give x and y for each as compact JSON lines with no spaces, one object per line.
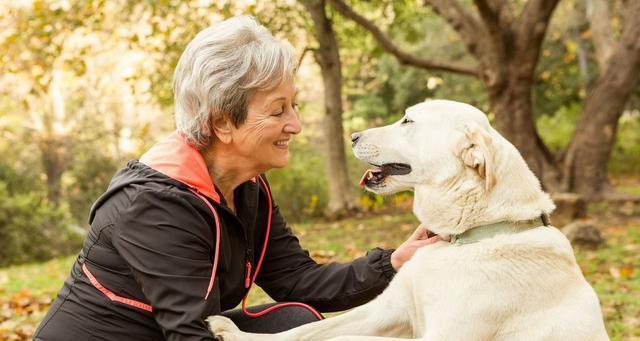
{"x":278,"y":114}
{"x":406,"y":120}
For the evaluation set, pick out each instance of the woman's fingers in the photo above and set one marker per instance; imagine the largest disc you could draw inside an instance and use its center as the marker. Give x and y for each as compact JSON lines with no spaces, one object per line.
{"x":420,"y":233}
{"x":432,"y":240}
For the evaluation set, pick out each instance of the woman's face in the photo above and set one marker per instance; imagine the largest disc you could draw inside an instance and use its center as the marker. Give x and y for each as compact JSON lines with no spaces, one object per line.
{"x":272,"y":119}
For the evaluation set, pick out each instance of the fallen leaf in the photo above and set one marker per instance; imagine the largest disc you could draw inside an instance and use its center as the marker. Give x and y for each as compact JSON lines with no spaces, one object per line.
{"x":626,"y":272}
{"x":4,"y":279}
{"x":615,"y":272}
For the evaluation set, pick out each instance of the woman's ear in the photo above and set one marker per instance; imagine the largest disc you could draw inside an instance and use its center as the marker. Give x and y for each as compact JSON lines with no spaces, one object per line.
{"x":477,"y":152}
{"x":222,"y":128}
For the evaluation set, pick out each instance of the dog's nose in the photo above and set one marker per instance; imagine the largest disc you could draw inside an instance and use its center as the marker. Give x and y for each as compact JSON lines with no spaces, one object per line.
{"x":354,"y":138}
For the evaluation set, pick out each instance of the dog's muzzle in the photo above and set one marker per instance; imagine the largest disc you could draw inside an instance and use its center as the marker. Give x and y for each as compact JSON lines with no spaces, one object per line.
{"x":374,"y":177}
{"x":354,"y":139}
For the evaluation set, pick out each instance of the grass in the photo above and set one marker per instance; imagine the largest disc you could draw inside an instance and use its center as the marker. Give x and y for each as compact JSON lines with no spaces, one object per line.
{"x":613,"y":269}
{"x":40,"y":278}
{"x":614,"y":272}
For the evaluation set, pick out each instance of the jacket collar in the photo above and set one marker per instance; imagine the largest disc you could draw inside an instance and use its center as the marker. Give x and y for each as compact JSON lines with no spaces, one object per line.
{"x":177,"y":159}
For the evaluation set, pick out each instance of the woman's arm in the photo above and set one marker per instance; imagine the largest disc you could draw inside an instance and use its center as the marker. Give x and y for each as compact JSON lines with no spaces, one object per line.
{"x":288,"y":273}
{"x":167,"y":244}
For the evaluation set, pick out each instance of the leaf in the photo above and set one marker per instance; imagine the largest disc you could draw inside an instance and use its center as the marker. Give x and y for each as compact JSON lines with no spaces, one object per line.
{"x":323,"y":256}
{"x":615,"y":272}
{"x":626,"y":272}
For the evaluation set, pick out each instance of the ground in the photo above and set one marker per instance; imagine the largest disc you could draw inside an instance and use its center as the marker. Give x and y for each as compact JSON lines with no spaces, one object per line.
{"x":26,"y":291}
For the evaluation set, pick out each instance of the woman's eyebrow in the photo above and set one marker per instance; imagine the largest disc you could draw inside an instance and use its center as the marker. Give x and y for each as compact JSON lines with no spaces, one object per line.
{"x":284,"y":98}
{"x":278,"y":99}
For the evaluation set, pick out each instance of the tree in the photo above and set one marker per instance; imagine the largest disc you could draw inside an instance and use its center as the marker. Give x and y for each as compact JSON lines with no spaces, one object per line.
{"x":89,"y":72}
{"x":507,"y":48}
{"x":585,"y":159}
{"x":31,"y":51}
{"x":327,"y":56}
{"x":47,"y":50}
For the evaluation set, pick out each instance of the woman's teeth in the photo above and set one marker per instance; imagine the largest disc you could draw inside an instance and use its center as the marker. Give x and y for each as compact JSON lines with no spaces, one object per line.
{"x":282,"y":143}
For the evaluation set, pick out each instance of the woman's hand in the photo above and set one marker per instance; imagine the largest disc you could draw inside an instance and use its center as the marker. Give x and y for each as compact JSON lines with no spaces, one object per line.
{"x":405,"y":251}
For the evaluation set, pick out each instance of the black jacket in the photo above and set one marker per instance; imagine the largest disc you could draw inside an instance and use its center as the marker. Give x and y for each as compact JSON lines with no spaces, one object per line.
{"x":153,"y":241}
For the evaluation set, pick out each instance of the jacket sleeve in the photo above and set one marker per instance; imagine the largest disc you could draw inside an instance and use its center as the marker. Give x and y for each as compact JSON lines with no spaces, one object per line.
{"x":167,"y":243}
{"x":288,"y":273}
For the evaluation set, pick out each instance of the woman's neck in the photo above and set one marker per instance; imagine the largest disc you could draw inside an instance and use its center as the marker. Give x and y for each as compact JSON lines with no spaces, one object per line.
{"x":226,"y":171}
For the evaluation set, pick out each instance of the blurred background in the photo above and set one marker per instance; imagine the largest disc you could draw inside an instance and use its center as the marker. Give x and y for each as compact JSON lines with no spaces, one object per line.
{"x":86,"y":86}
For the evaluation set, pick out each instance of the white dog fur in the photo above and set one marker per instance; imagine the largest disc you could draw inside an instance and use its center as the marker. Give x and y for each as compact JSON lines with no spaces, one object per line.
{"x":522,"y":286}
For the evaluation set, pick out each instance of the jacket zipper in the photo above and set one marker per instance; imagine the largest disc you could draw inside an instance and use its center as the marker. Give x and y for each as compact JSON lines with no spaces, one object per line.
{"x":247,"y":279}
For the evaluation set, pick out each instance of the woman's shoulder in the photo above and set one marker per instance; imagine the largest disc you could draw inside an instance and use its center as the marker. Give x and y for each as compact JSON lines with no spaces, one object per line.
{"x":137,"y":188}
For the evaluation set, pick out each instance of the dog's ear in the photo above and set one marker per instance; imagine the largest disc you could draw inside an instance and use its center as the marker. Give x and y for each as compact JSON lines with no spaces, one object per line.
{"x":477,"y":151}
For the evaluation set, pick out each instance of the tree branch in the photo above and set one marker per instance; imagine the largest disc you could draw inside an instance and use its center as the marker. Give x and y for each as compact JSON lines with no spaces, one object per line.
{"x":496,"y":14}
{"x":601,"y":33}
{"x":304,"y":53}
{"x":402,"y":56}
{"x":497,"y":17}
{"x":627,"y":47}
{"x":532,"y":26}
{"x":468,"y":28}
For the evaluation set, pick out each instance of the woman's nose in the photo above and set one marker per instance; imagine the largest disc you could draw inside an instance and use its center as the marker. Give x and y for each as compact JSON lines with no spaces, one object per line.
{"x":293,"y":125}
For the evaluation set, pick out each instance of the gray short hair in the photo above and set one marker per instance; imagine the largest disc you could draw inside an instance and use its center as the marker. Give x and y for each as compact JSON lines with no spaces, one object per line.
{"x":218,"y":71}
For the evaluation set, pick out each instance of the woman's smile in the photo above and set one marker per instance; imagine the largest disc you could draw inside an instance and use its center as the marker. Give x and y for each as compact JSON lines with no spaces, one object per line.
{"x":282,"y":144}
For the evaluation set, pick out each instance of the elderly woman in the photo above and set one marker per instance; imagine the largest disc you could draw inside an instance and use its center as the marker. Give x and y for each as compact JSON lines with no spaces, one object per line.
{"x":184,"y":232}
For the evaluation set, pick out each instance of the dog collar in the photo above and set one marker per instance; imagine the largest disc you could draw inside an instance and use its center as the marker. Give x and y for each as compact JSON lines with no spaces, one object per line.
{"x":477,"y":233}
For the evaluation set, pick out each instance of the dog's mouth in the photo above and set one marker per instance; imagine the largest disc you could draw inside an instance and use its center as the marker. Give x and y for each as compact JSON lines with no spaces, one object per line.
{"x":376,"y":176}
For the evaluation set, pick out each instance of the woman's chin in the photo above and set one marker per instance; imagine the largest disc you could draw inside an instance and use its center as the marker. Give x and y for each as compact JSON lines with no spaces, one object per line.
{"x":280,"y":162}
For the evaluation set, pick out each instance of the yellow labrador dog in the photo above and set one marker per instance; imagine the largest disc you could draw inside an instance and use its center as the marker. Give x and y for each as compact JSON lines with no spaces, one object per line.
{"x":504,"y":275}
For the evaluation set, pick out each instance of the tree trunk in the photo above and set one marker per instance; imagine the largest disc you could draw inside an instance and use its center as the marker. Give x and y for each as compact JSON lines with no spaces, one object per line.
{"x":54,"y":158}
{"x":341,"y":197}
{"x":510,"y":101}
{"x":509,"y":71}
{"x":52,"y":145}
{"x":586,"y":158}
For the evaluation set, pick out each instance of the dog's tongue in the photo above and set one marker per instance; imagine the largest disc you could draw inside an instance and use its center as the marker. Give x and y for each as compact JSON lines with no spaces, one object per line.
{"x":367,"y":175}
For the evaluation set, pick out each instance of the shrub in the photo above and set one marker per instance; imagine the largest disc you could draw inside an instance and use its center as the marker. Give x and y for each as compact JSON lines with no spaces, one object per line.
{"x":301,"y":189}
{"x":625,"y":156}
{"x":32,"y":229}
{"x":87,"y":179}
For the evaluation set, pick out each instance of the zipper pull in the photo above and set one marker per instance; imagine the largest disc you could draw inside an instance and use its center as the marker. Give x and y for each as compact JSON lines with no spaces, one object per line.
{"x":247,"y":279}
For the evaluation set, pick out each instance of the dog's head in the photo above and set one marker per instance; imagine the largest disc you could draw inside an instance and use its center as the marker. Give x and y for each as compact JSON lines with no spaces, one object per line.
{"x":451,"y":156}
{"x":431,"y":142}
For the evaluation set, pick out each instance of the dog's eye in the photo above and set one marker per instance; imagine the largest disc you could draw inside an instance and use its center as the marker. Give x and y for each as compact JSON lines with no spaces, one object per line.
{"x":406,"y":120}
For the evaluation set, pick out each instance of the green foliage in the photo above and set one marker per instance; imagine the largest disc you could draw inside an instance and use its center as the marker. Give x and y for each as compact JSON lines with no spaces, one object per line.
{"x":300,"y":189}
{"x":89,"y":178}
{"x":369,"y":107}
{"x":32,"y":229}
{"x":15,"y":181}
{"x":557,"y":129}
{"x":558,"y":82}
{"x":377,"y":85}
{"x":625,"y":156}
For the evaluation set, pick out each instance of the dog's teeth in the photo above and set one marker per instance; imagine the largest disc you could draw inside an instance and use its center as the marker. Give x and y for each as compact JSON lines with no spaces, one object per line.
{"x":369,"y":176}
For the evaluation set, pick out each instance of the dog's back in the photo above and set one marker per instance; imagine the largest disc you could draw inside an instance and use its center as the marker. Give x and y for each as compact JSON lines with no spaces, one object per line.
{"x":525,"y":286}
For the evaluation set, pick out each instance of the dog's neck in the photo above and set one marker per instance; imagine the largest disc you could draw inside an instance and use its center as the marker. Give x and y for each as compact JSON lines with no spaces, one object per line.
{"x":453,"y":209}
